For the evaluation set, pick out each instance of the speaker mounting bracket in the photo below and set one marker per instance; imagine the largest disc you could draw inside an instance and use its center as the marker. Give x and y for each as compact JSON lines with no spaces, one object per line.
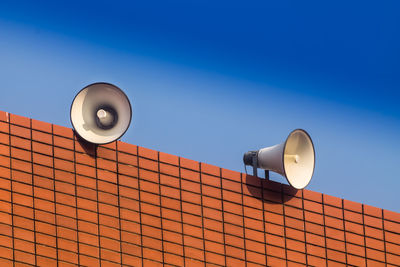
{"x":266,"y":174}
{"x":255,"y":164}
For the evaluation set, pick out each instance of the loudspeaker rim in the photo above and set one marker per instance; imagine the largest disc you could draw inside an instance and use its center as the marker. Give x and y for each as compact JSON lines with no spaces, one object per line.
{"x":283,"y":155}
{"x":99,"y":83}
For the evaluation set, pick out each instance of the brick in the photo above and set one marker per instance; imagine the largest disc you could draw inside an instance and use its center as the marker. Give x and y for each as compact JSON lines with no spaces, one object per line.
{"x":45,"y":261}
{"x":25,"y":235}
{"x":5,"y":150}
{"x":391,"y":226}
{"x":313,"y":217}
{"x":22,"y":199}
{"x":372,"y":221}
{"x":21,"y":165}
{"x":291,"y":191}
{"x":127,"y":182}
{"x":295,"y":213}
{"x":170,"y":159}
{"x":148,"y":153}
{"x":107,"y":187}
{"x":228,"y":217}
{"x":336,"y":255}
{"x":66,"y":233}
{"x":353,"y":206}
{"x":354,"y":228}
{"x":232,"y":186}
{"x":392,"y":237}
{"x":234,"y":262}
{"x":392,"y":259}
{"x":22,"y":188}
{"x":375,"y":255}
{"x":63,"y":131}
{"x":4,"y":116}
{"x":332,"y":201}
{"x":152,"y":254}
{"x":355,"y":250}
{"x":375,"y":244}
{"x":23,"y":211}
{"x":170,"y":192}
{"x":232,"y":208}
{"x":131,"y":260}
{"x":5,"y":138}
{"x":296,"y":256}
{"x":254,"y":235}
{"x":63,"y":142}
{"x":169,"y":180}
{"x":189,"y":164}
{"x":272,"y":197}
{"x":88,"y":227}
{"x":334,"y":212}
{"x":19,"y":120}
{"x":211,"y":180}
{"x":112,"y":177}
{"x":43,"y":171}
{"x":231,"y":175}
{"x":42,"y":148}
{"x":373,"y":211}
{"x":126,"y":148}
{"x":190,"y":175}
{"x":392,"y":248}
{"x":334,"y":223}
{"x":356,"y":260}
{"x":210,"y":169}
{"x":42,"y":137}
{"x":294,"y":223}
{"x":21,"y":256}
{"x":311,"y":195}
{"x":173,"y":259}
{"x":293,"y":201}
{"x":20,"y":131}
{"x":312,"y":206}
{"x":5,"y":128}
{"x":41,"y":126}
{"x":80,"y":169}
{"x":392,"y":216}
{"x":145,"y":164}
{"x":106,"y":165}
{"x":144,"y":196}
{"x":255,"y":257}
{"x":45,"y":234}
{"x":354,"y":239}
{"x":66,"y":222}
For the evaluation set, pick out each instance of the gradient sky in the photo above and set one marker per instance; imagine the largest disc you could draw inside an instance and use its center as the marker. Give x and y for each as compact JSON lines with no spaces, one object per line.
{"x":209,"y":80}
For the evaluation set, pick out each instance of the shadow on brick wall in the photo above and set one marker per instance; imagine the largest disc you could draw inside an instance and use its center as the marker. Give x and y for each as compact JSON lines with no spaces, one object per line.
{"x":269,"y":191}
{"x":89,"y":148}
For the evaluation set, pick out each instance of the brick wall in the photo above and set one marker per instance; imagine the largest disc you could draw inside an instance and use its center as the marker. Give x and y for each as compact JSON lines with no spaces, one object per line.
{"x":65,"y":202}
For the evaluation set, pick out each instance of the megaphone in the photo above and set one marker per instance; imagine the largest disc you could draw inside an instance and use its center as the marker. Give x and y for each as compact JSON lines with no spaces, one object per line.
{"x":294,"y":159}
{"x":101,"y":113}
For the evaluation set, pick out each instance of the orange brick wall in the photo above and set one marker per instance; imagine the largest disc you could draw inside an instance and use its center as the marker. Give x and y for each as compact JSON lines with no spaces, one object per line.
{"x":66,"y":202}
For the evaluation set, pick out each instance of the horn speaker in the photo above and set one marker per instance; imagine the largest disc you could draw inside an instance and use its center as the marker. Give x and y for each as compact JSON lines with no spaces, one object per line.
{"x":101,"y":113}
{"x":294,"y":159}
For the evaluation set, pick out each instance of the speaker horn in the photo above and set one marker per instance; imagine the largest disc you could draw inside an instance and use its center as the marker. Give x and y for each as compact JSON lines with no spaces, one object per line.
{"x":294,"y":159}
{"x":101,"y":113}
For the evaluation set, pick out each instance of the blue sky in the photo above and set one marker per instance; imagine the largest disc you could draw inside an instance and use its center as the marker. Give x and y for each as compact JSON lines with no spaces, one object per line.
{"x":210,"y":80}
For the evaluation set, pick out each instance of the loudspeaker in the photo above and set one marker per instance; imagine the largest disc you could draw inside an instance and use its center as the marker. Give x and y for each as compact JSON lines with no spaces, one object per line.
{"x":101,"y":113}
{"x":294,"y":159}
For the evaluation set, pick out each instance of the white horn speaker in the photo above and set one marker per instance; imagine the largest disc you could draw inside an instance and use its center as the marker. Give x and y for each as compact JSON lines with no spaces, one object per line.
{"x":101,"y":113}
{"x":294,"y":159}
